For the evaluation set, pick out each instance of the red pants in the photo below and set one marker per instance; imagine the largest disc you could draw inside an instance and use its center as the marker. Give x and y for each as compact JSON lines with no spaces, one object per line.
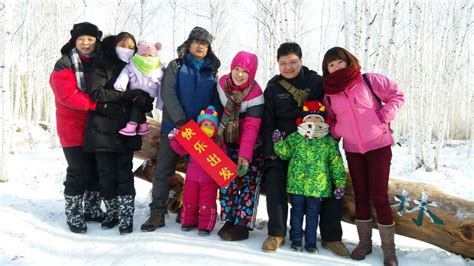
{"x":370,"y":173}
{"x":199,"y":205}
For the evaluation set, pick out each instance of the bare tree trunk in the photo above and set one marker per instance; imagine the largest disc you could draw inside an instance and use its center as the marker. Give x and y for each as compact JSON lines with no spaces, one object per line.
{"x":347,"y":39}
{"x":6,"y":130}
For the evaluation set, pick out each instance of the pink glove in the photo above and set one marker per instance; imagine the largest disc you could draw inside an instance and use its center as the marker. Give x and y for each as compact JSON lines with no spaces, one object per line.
{"x":173,"y":133}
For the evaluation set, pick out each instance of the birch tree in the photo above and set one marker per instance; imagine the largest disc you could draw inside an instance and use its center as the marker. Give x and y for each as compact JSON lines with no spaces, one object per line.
{"x":7,"y":9}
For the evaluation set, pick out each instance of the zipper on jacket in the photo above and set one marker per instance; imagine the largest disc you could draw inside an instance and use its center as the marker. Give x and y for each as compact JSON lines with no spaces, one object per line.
{"x":359,"y":139}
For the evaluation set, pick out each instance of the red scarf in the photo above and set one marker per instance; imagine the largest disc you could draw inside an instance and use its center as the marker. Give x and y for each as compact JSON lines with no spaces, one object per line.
{"x":341,"y":79}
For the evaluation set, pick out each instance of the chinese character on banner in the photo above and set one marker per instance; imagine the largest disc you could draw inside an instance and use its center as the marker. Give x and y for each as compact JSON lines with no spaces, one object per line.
{"x":200,"y":146}
{"x":187,"y":133}
{"x":225,"y":173}
{"x":207,"y":154}
{"x":213,"y":159}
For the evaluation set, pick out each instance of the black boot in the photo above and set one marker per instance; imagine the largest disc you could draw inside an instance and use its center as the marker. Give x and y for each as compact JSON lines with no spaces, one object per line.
{"x":126,"y":208}
{"x":75,"y":214}
{"x":228,"y":225}
{"x":236,"y":233}
{"x":92,"y":210}
{"x":111,"y":215}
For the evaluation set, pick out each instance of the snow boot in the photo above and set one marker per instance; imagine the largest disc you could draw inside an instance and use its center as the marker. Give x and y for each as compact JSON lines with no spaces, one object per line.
{"x":387,"y":237}
{"x":75,"y":214}
{"x":236,"y":233}
{"x":297,"y":245}
{"x":153,"y":222}
{"x":228,"y":225}
{"x":204,"y":232}
{"x":130,"y":129}
{"x":311,"y":248}
{"x":143,"y":129}
{"x":187,"y":228}
{"x":111,"y":216}
{"x":364,"y":248}
{"x":92,"y":210}
{"x":126,"y":208}
{"x":272,"y":243}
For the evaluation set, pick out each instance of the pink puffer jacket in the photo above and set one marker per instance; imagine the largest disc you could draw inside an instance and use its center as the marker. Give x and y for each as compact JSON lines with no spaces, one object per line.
{"x":359,"y":119}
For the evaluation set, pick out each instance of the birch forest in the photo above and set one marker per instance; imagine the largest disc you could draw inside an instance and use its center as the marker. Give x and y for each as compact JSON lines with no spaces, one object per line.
{"x":425,"y":46}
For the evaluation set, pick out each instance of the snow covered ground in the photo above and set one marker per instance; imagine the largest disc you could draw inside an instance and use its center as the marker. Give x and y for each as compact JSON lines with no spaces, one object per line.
{"x":33,"y":228}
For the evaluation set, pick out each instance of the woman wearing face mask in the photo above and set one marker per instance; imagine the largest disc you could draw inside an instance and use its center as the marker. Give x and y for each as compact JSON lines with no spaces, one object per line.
{"x":70,"y":81}
{"x":114,"y":152}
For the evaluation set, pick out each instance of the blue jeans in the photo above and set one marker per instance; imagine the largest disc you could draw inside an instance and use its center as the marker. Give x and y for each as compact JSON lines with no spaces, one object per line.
{"x":301,"y":206}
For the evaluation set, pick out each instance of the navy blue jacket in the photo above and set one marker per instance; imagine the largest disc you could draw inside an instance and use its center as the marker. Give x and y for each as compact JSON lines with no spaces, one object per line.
{"x":187,"y":90}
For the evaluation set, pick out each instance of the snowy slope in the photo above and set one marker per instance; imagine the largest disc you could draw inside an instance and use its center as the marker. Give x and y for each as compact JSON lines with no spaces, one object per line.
{"x":33,"y":228}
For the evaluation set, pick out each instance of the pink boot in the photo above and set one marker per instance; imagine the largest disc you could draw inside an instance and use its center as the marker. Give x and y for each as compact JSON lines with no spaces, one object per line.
{"x":143,"y":129}
{"x":130,"y":129}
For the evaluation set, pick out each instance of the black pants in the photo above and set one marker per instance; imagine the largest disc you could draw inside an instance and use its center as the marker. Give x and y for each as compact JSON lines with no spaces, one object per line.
{"x":115,"y":173}
{"x":277,"y":200}
{"x":136,"y":114}
{"x":81,"y":172}
{"x":277,"y":207}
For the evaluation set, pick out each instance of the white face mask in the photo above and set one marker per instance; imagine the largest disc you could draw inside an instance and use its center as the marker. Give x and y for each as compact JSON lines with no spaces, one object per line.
{"x":313,"y":130}
{"x":124,"y":54}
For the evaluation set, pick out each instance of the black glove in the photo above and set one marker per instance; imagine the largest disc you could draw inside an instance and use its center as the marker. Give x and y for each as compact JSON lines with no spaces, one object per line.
{"x":111,"y":110}
{"x":130,"y":95}
{"x":144,"y":103}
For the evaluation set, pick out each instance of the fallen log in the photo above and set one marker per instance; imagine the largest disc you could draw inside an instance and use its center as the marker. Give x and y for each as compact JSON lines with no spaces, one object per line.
{"x":149,"y":152}
{"x":423,"y":212}
{"x":420,"y":210}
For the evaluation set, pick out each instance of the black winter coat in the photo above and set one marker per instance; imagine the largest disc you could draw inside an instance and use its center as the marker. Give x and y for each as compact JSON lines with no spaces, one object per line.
{"x":102,"y":133}
{"x":281,"y":110}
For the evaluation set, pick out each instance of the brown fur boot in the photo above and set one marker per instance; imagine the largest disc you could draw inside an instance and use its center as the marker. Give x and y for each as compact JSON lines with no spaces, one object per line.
{"x":364,"y":248}
{"x":387,"y":236}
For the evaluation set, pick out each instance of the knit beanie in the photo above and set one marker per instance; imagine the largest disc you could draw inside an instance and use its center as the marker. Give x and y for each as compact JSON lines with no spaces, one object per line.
{"x":209,"y":114}
{"x":312,"y":108}
{"x":146,"y":48}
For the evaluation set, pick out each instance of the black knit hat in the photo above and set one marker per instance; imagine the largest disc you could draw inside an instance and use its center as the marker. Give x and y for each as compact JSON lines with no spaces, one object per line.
{"x":83,"y":28}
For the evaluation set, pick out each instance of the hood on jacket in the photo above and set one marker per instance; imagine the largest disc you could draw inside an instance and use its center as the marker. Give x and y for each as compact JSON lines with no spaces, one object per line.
{"x":247,"y":61}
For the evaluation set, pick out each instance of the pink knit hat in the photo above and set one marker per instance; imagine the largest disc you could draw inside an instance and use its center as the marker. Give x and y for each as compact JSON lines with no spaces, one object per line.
{"x":146,"y":48}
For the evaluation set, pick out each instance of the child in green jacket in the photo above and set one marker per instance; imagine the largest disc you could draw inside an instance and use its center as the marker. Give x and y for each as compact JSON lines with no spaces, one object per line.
{"x":314,"y":164}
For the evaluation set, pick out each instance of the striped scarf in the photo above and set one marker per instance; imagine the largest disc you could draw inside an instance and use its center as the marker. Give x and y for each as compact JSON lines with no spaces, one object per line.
{"x":229,"y":124}
{"x":78,"y":70}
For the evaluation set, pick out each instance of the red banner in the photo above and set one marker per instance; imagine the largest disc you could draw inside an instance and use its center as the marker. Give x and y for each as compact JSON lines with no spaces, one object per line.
{"x":207,"y":153}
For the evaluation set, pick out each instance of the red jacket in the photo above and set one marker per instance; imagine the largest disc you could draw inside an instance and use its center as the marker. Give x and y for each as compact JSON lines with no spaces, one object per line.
{"x":72,"y":105}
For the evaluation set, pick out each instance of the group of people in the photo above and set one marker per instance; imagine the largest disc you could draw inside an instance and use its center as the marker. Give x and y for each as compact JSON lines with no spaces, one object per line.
{"x":285,"y":137}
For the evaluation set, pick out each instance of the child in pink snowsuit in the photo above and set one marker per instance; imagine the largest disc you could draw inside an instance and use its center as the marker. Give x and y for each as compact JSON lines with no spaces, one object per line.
{"x":144,"y":72}
{"x":200,"y":190}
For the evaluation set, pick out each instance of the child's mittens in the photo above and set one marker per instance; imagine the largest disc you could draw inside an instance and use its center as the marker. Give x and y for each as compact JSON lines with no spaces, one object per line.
{"x":277,"y":135}
{"x":242,"y":167}
{"x":339,"y":193}
{"x":173,"y":133}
